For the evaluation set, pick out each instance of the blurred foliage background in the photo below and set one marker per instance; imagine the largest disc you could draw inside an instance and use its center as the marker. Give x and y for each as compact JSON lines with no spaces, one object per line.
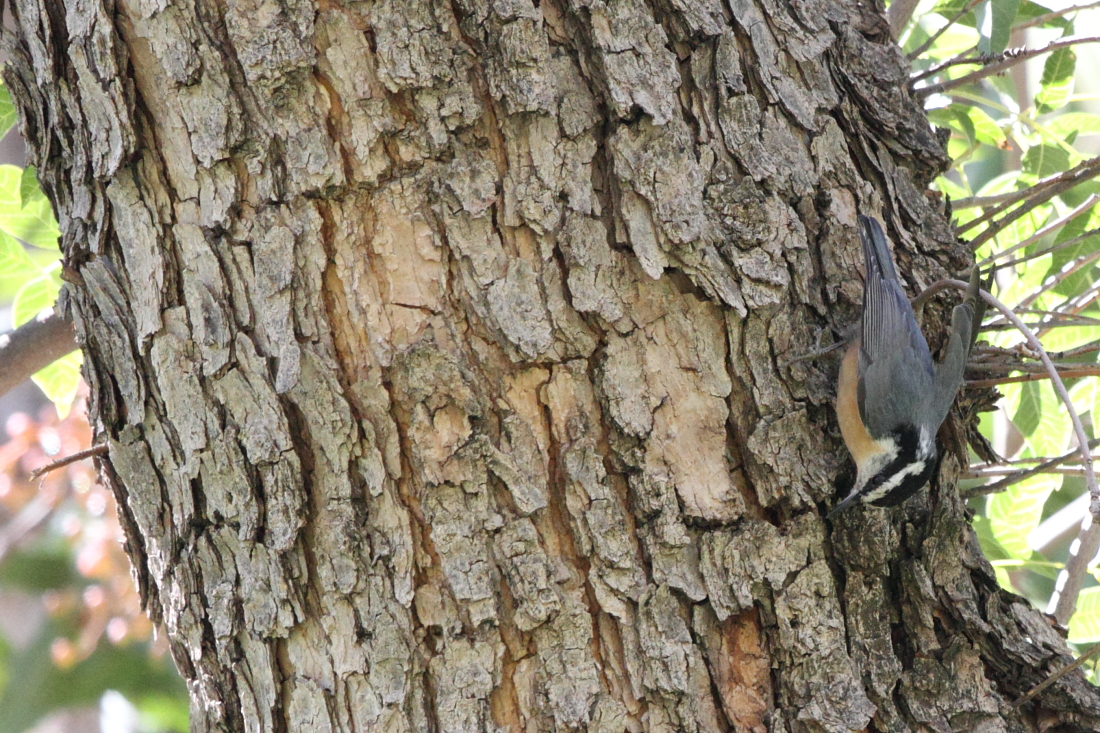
{"x":77,"y":655}
{"x":1003,"y":76}
{"x":1009,"y":79}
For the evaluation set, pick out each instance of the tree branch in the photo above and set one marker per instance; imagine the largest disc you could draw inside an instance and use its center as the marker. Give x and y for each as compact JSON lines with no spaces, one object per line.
{"x":1070,"y":581}
{"x":1019,"y":476}
{"x":1040,"y":19}
{"x":1042,"y":234}
{"x":95,"y":450}
{"x":1009,"y":59}
{"x":898,"y":14}
{"x":1055,"y":379}
{"x":1072,"y":578}
{"x":1038,"y":194}
{"x":1034,"y":377}
{"x":1058,"y":675}
{"x":935,"y":36}
{"x":31,"y":347}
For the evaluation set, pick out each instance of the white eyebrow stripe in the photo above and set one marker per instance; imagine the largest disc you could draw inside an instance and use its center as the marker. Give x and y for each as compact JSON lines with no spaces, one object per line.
{"x":894,"y":481}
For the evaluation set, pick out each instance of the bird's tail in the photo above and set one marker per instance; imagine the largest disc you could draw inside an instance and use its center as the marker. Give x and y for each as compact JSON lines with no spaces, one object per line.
{"x":876,"y":253}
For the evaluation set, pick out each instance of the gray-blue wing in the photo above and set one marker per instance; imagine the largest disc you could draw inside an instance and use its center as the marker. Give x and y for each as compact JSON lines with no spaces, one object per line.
{"x":895,"y":374}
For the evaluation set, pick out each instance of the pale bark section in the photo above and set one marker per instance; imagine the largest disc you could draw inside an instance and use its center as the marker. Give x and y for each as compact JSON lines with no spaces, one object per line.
{"x":437,"y":349}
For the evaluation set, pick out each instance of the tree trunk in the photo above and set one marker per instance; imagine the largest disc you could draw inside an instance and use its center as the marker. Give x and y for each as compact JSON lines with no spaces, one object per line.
{"x":443,"y":354}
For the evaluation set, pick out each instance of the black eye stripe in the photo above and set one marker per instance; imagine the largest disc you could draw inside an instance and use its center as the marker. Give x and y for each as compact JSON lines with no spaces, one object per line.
{"x":908,"y":486}
{"x":908,"y":442}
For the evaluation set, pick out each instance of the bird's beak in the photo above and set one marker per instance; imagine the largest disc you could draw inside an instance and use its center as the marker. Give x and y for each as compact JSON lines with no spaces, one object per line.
{"x":851,"y":499}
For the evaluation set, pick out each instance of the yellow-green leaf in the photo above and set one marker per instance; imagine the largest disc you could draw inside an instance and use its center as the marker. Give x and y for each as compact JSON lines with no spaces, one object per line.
{"x":59,"y":382}
{"x":33,"y":223}
{"x":15,"y":265}
{"x":35,"y":296}
{"x":1084,"y":626}
{"x":986,"y":130}
{"x":1079,"y":123}
{"x":8,"y":117}
{"x":1004,"y":14}
{"x":1056,"y":86}
{"x":1014,"y":514}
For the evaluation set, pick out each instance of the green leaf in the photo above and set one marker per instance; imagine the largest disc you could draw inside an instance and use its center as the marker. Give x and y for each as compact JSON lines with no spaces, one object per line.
{"x":1084,"y":395}
{"x":951,"y":8}
{"x":33,"y":223}
{"x":1030,"y":411}
{"x":1029,"y":10}
{"x":35,"y":296}
{"x":1045,"y":160}
{"x":1077,"y":195}
{"x":1051,"y":436}
{"x":15,"y":265}
{"x":60,"y":381}
{"x":1004,"y":15}
{"x":29,"y":190}
{"x":915,"y":39}
{"x":991,"y":548}
{"x":969,"y":121}
{"x":1056,"y":86}
{"x":950,"y":188}
{"x":986,"y":130}
{"x":8,"y":117}
{"x":1005,"y":183}
{"x":941,"y":116}
{"x":1014,"y":514}
{"x":1063,"y":339}
{"x":1084,"y":625}
{"x":1078,"y":281}
{"x":1082,"y":123}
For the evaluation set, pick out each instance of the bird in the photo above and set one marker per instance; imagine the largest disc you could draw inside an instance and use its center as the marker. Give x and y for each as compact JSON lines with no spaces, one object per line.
{"x":891,"y":397}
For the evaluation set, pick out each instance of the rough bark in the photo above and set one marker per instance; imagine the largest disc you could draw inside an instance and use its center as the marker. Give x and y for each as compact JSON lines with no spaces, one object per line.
{"x":441,"y":352}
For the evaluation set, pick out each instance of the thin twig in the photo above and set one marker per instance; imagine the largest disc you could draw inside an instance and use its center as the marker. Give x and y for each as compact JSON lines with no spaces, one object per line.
{"x":1043,"y":326}
{"x":936,"y":36}
{"x":1010,"y":58}
{"x":1058,"y":314}
{"x":1015,"y":366}
{"x":95,"y":450}
{"x":1074,"y":176}
{"x":1088,"y":348}
{"x":1042,"y":233}
{"x":1036,"y":377}
{"x":960,"y":60}
{"x":982,"y":352}
{"x":1078,"y":264}
{"x":980,"y":202}
{"x":1010,"y":462}
{"x":1009,"y":197}
{"x":1067,"y":587}
{"x":1045,"y":17}
{"x":1055,"y":379}
{"x":998,"y":471}
{"x":1049,"y":250}
{"x":1086,"y":171}
{"x":1058,"y":675}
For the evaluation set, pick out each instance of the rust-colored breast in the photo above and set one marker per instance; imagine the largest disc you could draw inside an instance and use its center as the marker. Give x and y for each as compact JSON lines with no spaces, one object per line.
{"x":859,"y":441}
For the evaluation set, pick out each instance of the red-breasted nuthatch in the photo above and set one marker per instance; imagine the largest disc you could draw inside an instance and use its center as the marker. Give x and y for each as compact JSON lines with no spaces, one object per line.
{"x":891,"y":398}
